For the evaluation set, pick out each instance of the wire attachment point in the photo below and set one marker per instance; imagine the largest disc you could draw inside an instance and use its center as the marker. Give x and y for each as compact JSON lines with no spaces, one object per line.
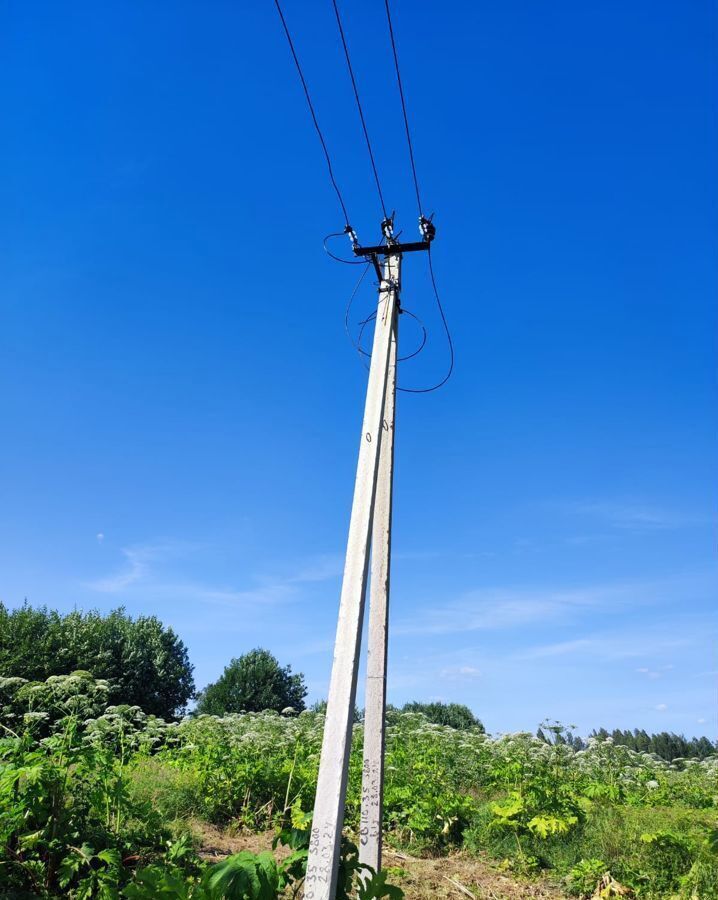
{"x":427,"y":229}
{"x":387,"y":228}
{"x":348,"y":230}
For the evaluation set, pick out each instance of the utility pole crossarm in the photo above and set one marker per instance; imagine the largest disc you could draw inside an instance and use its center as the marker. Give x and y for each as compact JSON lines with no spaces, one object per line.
{"x":393,"y":249}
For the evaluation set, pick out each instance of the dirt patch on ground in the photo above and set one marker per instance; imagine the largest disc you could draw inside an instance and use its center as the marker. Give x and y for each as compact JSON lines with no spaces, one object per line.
{"x":216,"y":844}
{"x":443,"y":878}
{"x":461,"y":875}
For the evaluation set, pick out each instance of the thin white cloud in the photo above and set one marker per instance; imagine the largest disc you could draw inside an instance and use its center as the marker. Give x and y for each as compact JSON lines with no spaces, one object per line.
{"x":587,"y":540}
{"x":493,"y":609}
{"x":261,"y":596}
{"x":318,"y":569}
{"x":143,"y":560}
{"x":634,"y":516}
{"x":140,"y":562}
{"x":662,"y":707}
{"x":465,"y":672}
{"x":407,"y":680}
{"x":505,"y":608}
{"x":638,"y":643}
{"x":414,"y":555}
{"x":562,"y":648}
{"x":311,"y":648}
{"x":100,"y":537}
{"x":136,"y":567}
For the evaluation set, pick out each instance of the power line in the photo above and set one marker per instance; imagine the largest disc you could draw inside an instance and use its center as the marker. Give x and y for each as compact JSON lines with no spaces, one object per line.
{"x":449,"y":340}
{"x":446,"y":377}
{"x":313,"y":114}
{"x":376,"y":178}
{"x":403,"y":106}
{"x":347,"y":262}
{"x":359,"y":107}
{"x":349,"y":304}
{"x":357,"y":344}
{"x":371,"y":318}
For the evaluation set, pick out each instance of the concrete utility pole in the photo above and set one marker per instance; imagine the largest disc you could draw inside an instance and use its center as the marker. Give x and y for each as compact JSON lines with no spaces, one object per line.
{"x":325,"y":838}
{"x":369,"y":527}
{"x":372,"y":798}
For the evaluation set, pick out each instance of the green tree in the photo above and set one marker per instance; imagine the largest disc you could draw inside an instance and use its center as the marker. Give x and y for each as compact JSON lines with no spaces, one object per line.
{"x":321,"y":707}
{"x":145,"y":663}
{"x":454,"y":714}
{"x":252,"y":683}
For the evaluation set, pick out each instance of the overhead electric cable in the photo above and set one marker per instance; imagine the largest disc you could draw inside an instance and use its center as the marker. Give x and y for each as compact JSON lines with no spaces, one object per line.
{"x":359,"y":107}
{"x":357,"y":344}
{"x":403,"y":107}
{"x":448,"y":338}
{"x":371,"y":318}
{"x":351,"y":300}
{"x":313,"y":114}
{"x":348,"y":262}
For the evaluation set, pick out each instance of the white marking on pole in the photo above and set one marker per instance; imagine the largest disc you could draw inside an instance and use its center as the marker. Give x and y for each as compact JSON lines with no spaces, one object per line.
{"x":325,"y":838}
{"x":372,"y":800}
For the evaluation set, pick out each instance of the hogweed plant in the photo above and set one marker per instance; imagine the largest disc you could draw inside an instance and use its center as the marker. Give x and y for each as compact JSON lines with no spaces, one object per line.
{"x":103,"y":800}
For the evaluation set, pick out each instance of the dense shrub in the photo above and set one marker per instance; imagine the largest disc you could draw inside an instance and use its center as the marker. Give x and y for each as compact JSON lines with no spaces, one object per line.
{"x":86,"y":801}
{"x":144,"y":663}
{"x":454,"y":714}
{"x":66,"y":820}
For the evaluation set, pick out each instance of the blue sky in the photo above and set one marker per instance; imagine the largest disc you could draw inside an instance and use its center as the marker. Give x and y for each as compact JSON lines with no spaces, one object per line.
{"x":180,"y":408}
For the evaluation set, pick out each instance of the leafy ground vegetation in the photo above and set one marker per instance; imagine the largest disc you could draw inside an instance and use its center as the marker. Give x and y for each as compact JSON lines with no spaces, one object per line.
{"x":106,"y":801}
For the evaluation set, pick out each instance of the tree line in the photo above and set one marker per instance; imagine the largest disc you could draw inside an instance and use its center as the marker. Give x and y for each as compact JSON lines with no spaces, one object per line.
{"x":666,"y":744}
{"x":146,"y":664}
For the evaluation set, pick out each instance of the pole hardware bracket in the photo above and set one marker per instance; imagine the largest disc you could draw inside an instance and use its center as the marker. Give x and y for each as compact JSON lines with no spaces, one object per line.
{"x":427,"y":228}
{"x":377,"y":267}
{"x":391,"y":249}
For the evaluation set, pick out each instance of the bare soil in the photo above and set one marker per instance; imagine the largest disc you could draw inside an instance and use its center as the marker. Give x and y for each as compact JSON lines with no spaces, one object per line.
{"x":443,"y":878}
{"x":462,"y":875}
